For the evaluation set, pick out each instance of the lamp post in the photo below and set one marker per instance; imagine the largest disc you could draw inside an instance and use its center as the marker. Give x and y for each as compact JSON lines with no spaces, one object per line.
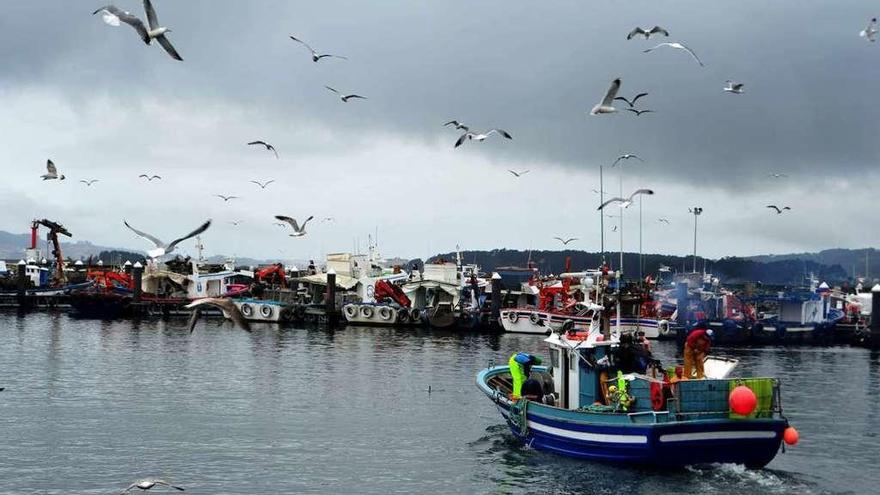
{"x":601,"y":214}
{"x":697,"y":211}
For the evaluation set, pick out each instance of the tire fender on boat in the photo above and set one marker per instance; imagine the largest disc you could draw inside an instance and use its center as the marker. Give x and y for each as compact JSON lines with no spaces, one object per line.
{"x":535,"y":318}
{"x":350,"y":310}
{"x":663,"y":327}
{"x":366,"y":311}
{"x":512,"y":316}
{"x":403,"y":316}
{"x":286,"y":315}
{"x":266,"y":310}
{"x":246,"y":310}
{"x":416,"y":314}
{"x":385,"y":313}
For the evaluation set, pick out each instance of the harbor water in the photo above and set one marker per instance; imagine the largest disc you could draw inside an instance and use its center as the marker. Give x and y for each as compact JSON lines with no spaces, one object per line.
{"x":90,"y":406}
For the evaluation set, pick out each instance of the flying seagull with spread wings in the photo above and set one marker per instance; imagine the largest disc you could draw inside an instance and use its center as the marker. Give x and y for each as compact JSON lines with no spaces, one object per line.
{"x":663,"y":220}
{"x":345,"y":98}
{"x":647,"y":33}
{"x":112,"y":15}
{"x":518,"y":174}
{"x":733,"y":87}
{"x":149,"y":177}
{"x":632,"y":103}
{"x":315,"y":55}
{"x":161,"y":248}
{"x":89,"y":182}
{"x":607,"y":103}
{"x":625,"y":202}
{"x":639,"y":112}
{"x":777,"y":176}
{"x":263,"y":184}
{"x":225,"y":198}
{"x":298,"y":230}
{"x":268,"y":146}
{"x":459,"y":126}
{"x":677,"y":46}
{"x":146,"y":484}
{"x":51,"y":172}
{"x":230,"y":310}
{"x":626,"y":156}
{"x":481,"y":136}
{"x":778,"y":209}
{"x":565,"y":241}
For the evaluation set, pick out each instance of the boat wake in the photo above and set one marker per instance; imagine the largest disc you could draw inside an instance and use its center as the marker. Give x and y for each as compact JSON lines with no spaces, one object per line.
{"x":743,"y":479}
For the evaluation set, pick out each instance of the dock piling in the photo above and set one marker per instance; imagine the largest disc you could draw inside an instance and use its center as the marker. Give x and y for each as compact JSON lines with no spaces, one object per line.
{"x":875,"y":315}
{"x":137,"y":272}
{"x":331,"y":296}
{"x":496,"y":297}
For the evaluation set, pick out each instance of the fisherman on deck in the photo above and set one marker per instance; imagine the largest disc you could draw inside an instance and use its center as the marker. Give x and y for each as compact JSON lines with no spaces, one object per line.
{"x":696,"y":348}
{"x":520,"y":367}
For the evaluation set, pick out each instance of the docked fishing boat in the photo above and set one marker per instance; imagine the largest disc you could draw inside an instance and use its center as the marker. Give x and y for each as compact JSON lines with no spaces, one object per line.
{"x":391,"y":307}
{"x":637,"y":416}
{"x":448,"y":294}
{"x":800,"y":318}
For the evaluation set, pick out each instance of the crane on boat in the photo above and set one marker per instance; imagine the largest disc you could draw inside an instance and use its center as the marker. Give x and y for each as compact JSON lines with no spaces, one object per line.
{"x":59,"y":278}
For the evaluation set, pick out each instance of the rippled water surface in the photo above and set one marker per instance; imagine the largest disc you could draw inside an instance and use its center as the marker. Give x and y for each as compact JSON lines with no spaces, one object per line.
{"x":89,"y":406}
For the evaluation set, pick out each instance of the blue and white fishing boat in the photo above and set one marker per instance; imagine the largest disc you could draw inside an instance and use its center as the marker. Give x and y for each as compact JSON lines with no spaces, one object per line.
{"x":668,"y":423}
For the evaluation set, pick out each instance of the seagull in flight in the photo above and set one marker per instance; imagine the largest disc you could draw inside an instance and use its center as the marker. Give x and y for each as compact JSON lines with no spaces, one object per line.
{"x":345,"y":98}
{"x":298,"y":230}
{"x":777,"y":176}
{"x":89,"y":182}
{"x":614,"y":228}
{"x":632,"y":103}
{"x":263,"y":184}
{"x":566,"y":240}
{"x":625,"y":202}
{"x":518,"y":174}
{"x":112,"y":15}
{"x":268,"y":146}
{"x":734,"y":87}
{"x":480,"y":136}
{"x":870,"y":31}
{"x":639,"y":112}
{"x":677,"y":46}
{"x":778,"y":209}
{"x":626,"y":156}
{"x":315,"y":55}
{"x":149,"y":177}
{"x":161,"y":248}
{"x":51,"y":172}
{"x":607,"y":103}
{"x":663,"y":220}
{"x":458,"y":125}
{"x":638,"y":31}
{"x":225,"y":198}
{"x":230,"y":310}
{"x":280,"y":224}
{"x":235,"y":222}
{"x":326,"y":219}
{"x":600,"y":192}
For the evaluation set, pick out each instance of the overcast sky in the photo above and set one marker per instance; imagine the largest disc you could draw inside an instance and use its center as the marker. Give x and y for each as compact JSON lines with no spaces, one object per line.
{"x":101,"y":104}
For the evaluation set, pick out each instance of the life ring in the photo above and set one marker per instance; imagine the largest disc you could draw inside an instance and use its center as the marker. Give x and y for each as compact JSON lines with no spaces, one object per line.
{"x":535,"y":318}
{"x":385,"y":313}
{"x":657,"y":399}
{"x":416,"y":314}
{"x":246,"y":310}
{"x":512,"y":316}
{"x":266,"y":311}
{"x":366,"y":311}
{"x":350,"y":310}
{"x":663,"y":327}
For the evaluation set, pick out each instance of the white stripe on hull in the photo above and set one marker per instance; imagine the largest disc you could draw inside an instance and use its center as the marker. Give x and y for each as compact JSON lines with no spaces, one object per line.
{"x":717,"y":435}
{"x":587,"y":436}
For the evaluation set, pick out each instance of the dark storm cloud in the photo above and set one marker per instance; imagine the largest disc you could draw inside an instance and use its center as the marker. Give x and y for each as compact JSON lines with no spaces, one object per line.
{"x":533,"y":69}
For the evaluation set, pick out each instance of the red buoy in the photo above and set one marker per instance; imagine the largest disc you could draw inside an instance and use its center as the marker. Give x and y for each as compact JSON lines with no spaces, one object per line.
{"x":742,"y":400}
{"x":790,"y":436}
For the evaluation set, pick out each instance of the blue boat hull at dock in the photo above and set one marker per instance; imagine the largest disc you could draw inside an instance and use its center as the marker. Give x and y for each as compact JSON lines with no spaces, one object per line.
{"x":653,"y":439}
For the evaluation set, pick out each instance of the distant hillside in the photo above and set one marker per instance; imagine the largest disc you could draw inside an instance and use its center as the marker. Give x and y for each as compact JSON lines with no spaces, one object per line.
{"x":852,"y":260}
{"x":12,"y":247}
{"x":783,"y":271}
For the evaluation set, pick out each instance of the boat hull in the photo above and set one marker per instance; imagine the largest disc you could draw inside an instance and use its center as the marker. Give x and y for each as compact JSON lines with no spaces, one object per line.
{"x":527,"y":320}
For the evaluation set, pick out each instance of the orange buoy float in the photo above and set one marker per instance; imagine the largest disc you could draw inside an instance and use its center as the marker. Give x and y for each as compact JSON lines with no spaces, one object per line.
{"x":790,"y":436}
{"x":742,"y":400}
